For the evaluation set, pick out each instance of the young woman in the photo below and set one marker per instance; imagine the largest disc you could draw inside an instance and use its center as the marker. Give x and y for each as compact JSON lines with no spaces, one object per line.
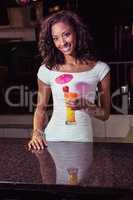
{"x":71,"y":72}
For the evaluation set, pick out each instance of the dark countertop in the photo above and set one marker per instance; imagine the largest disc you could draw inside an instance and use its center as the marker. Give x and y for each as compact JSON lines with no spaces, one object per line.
{"x":112,"y":165}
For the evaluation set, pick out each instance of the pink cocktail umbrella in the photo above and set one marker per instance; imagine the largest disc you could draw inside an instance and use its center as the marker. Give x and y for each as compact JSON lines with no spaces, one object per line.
{"x":64,"y":78}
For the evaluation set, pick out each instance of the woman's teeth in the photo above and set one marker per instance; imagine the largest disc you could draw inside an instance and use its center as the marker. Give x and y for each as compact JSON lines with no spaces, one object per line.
{"x":66,"y":48}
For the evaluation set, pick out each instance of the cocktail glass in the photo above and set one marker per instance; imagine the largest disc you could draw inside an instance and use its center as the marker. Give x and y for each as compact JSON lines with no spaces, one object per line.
{"x":72,"y":176}
{"x":70,"y":113}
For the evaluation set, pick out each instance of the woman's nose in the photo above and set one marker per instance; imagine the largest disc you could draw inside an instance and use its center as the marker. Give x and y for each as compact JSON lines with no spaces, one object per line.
{"x":62,"y":41}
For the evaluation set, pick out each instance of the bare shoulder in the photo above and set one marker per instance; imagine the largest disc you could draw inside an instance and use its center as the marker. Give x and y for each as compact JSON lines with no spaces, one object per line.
{"x":91,"y":63}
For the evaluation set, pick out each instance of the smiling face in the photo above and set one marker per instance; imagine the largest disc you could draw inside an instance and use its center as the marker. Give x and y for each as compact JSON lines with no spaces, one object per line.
{"x":64,"y":38}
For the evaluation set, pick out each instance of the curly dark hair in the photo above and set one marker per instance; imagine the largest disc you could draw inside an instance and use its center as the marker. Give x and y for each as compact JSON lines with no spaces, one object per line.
{"x":51,"y":56}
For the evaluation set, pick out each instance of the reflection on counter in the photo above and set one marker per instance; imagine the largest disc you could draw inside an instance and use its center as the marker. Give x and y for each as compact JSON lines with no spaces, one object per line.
{"x":31,"y":174}
{"x":111,"y":165}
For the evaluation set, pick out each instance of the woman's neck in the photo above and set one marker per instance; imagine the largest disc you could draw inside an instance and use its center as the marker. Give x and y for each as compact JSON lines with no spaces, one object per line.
{"x":70,"y":60}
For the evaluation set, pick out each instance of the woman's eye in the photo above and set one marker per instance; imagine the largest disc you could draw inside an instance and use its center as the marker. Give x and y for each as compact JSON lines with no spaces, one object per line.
{"x":67,"y":34}
{"x":55,"y":39}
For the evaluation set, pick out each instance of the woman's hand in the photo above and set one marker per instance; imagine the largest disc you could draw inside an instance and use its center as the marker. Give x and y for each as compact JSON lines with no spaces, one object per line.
{"x":37,"y":142}
{"x":88,"y":107}
{"x":81,"y":103}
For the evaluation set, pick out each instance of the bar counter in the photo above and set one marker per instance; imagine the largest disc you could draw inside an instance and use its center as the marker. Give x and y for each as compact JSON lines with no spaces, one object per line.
{"x":111,"y":169}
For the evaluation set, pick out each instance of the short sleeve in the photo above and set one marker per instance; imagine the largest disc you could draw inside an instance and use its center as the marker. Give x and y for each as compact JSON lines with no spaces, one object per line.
{"x":103,"y":70}
{"x":44,"y":74}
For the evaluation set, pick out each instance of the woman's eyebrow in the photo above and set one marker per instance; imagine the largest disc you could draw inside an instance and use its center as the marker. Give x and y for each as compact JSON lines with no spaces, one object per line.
{"x":68,"y":30}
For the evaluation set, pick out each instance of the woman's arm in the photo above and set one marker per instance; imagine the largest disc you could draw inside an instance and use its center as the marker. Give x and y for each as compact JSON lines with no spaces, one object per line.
{"x":40,"y":117}
{"x":103,"y":111}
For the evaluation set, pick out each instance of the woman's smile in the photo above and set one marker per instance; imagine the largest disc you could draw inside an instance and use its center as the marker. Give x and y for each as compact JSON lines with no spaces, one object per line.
{"x":66,"y":48}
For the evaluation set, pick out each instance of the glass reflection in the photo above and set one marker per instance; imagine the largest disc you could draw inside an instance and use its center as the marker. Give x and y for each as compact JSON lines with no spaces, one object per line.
{"x":58,"y":157}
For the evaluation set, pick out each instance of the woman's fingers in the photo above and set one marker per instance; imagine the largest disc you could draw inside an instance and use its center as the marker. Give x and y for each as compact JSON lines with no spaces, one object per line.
{"x":75,"y":104}
{"x":81,"y":103}
{"x":37,"y":144}
{"x":45,"y":142}
{"x":30,"y":145}
{"x":33,"y":145}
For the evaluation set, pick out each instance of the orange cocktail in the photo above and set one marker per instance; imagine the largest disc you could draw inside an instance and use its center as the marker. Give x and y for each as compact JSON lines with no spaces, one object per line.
{"x":72,"y":176}
{"x":70,"y":113}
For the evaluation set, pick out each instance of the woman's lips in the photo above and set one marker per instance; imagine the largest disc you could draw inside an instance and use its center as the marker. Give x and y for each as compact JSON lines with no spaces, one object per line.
{"x":66,"y":48}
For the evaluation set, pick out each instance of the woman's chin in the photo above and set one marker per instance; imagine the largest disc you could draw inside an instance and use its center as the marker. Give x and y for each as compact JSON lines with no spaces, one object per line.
{"x":69,"y":53}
